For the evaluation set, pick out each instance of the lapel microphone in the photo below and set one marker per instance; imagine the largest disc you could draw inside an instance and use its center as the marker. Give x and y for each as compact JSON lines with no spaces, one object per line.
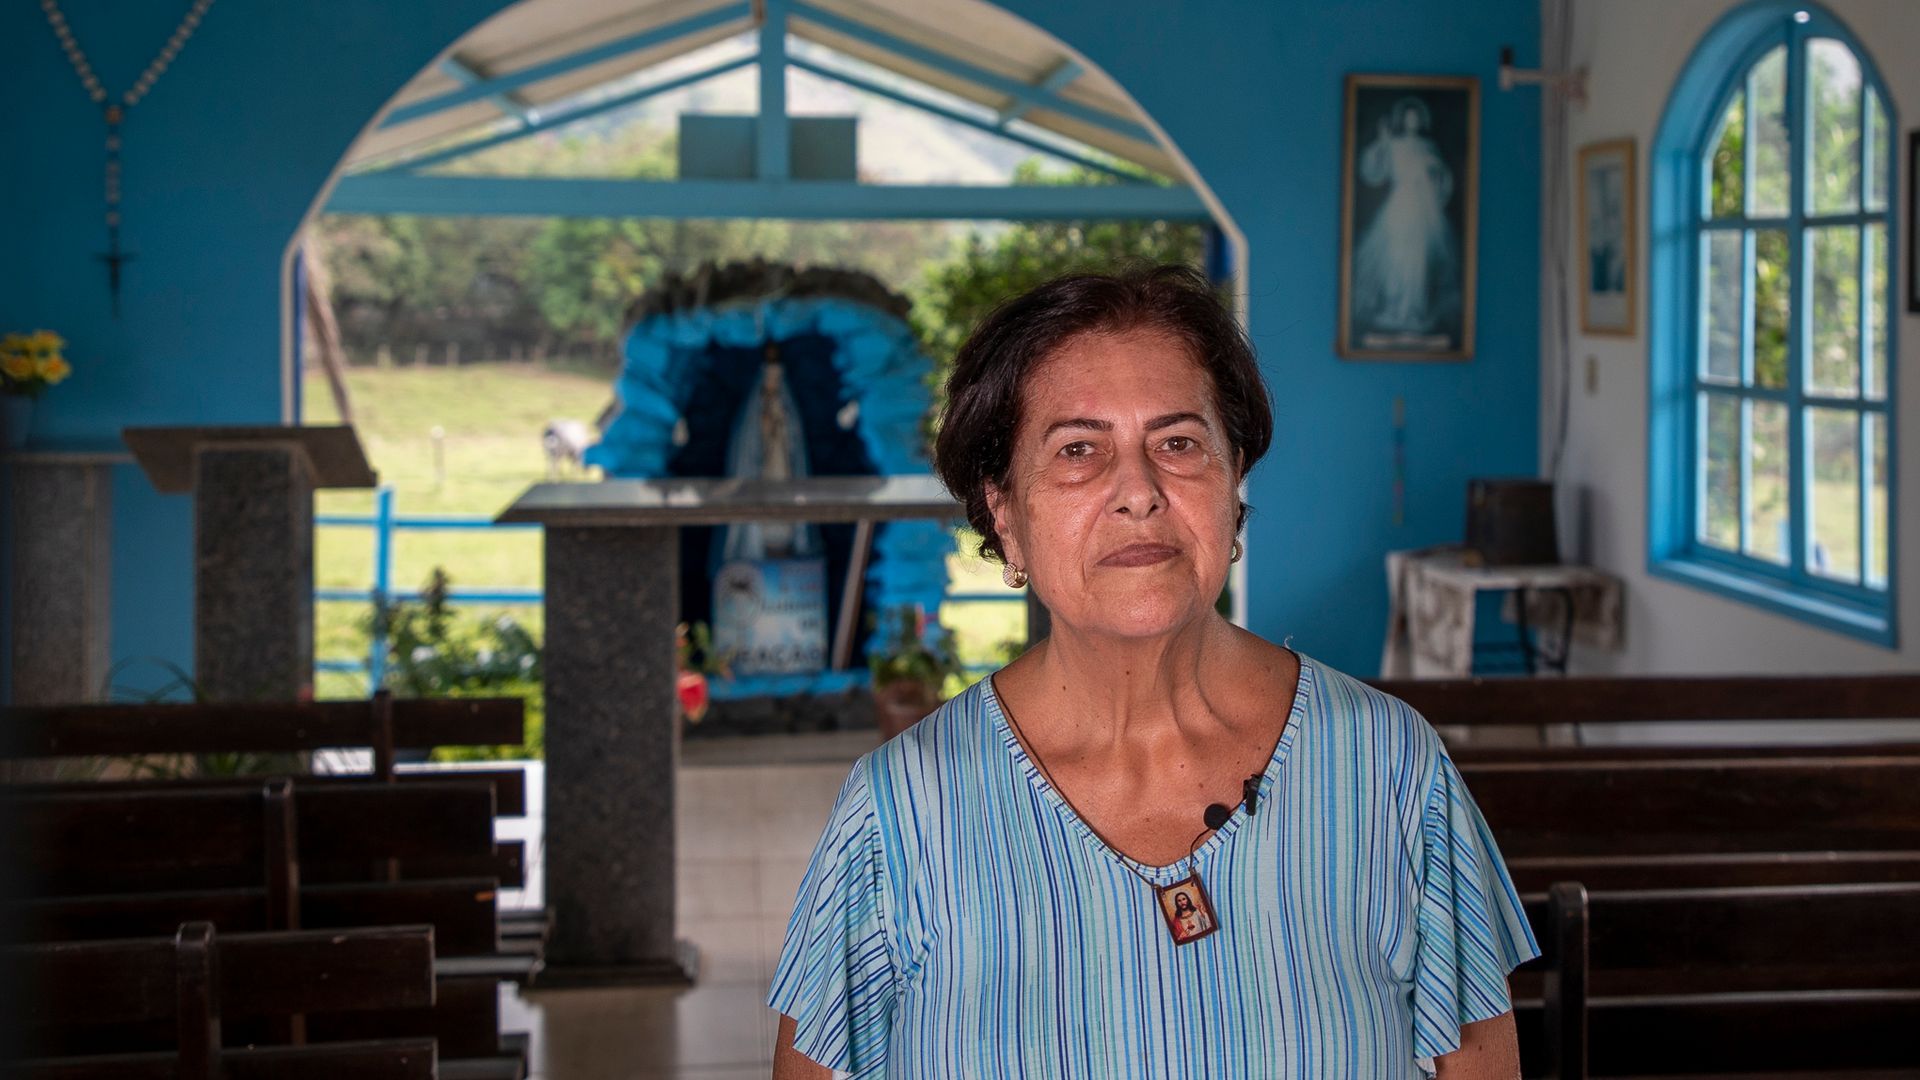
{"x":1216,"y":815}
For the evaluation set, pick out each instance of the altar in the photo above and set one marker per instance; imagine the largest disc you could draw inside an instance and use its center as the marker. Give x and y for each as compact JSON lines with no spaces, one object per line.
{"x":612,"y":598}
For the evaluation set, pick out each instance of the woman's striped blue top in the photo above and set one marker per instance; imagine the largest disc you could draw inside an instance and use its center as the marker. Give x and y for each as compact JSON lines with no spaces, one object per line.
{"x":959,"y":919}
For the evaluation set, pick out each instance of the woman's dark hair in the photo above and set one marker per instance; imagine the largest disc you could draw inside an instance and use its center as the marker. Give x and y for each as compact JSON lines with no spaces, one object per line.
{"x":990,"y":372}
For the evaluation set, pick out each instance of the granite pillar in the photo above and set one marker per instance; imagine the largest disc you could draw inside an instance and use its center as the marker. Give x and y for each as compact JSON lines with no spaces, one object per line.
{"x":613,"y":747}
{"x":253,"y":572}
{"x":62,"y":528}
{"x":612,"y":598}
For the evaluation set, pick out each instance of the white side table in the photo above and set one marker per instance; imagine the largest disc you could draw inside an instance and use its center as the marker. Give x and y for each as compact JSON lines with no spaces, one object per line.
{"x":1434,"y":593}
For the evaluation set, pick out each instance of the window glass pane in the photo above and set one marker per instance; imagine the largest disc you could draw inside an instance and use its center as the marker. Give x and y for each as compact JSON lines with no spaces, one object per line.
{"x":1771,"y":297}
{"x":1833,"y":459}
{"x":1833,"y":363}
{"x":1876,"y":380}
{"x":1833,"y":115}
{"x":1718,"y":497}
{"x":1727,"y":162}
{"x":1720,"y":351}
{"x":1876,"y":500}
{"x":1767,"y":93}
{"x":1767,"y":482}
{"x":1879,"y":149}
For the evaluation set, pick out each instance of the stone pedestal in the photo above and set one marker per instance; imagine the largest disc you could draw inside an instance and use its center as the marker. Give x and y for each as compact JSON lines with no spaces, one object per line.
{"x":253,"y":545}
{"x":253,"y":573}
{"x":613,"y":750}
{"x":613,"y":745}
{"x":61,"y":502}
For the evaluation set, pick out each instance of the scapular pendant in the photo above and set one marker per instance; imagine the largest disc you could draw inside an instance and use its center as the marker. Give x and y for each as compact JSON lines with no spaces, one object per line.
{"x":1188,"y":913}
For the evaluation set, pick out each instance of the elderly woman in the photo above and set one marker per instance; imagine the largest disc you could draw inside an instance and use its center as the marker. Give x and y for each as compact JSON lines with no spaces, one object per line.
{"x":991,"y":896}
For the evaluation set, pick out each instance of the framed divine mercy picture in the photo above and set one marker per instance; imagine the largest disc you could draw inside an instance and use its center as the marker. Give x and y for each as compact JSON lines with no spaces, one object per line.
{"x":1409,"y":205}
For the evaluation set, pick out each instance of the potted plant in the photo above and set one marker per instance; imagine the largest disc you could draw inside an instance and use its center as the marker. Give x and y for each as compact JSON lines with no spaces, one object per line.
{"x":910,"y":669}
{"x":696,"y":660}
{"x":29,"y":363}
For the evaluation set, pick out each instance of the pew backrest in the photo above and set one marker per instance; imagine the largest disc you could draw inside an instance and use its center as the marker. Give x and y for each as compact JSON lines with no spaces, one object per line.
{"x":1699,"y":806}
{"x":381,"y":722}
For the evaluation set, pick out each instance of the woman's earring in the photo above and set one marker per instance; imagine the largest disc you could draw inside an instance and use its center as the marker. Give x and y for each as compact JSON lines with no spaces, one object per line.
{"x":1015,"y":577}
{"x":1234,"y":556}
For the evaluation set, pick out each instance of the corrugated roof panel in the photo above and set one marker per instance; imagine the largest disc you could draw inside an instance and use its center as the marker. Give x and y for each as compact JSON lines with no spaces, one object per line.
{"x":979,"y":34}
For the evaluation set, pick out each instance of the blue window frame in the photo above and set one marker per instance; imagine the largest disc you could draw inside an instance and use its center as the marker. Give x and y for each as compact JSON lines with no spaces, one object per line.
{"x":1772,"y":332}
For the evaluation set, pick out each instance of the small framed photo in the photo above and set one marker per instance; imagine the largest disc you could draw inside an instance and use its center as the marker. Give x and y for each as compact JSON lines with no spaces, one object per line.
{"x":1188,"y":912}
{"x":1409,"y":202}
{"x":1913,"y":220}
{"x":1609,"y":264}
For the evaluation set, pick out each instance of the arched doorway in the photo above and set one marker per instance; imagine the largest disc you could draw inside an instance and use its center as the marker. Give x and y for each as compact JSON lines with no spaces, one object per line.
{"x":542,"y":64}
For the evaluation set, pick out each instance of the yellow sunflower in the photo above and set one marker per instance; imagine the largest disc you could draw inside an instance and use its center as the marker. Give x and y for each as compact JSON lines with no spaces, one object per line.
{"x":54,"y":368}
{"x":18,"y":367}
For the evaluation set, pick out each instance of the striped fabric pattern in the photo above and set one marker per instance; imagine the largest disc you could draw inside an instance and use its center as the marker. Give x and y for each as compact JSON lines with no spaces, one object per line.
{"x":960,"y":920}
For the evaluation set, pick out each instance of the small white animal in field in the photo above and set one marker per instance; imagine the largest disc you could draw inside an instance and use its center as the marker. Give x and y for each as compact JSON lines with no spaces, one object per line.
{"x":565,"y":441}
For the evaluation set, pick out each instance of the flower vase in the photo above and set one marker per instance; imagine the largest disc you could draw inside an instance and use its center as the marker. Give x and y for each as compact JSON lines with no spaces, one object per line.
{"x":16,"y":418}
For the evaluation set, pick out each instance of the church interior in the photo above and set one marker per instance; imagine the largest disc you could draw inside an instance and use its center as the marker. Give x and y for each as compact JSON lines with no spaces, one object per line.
{"x":469,"y":497}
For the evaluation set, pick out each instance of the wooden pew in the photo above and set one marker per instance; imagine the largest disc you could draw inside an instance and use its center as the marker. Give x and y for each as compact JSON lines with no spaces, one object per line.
{"x":460,"y":910}
{"x":1708,"y":806}
{"x":509,"y":784}
{"x":383,"y":723}
{"x":1820,"y":980}
{"x":380,"y":722}
{"x":108,"y":841}
{"x":1703,"y":822}
{"x":191,"y":985}
{"x":112,"y":861}
{"x":1474,"y":703}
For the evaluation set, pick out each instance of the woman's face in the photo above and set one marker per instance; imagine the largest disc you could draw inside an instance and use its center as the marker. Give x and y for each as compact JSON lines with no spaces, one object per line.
{"x":1121,"y":495}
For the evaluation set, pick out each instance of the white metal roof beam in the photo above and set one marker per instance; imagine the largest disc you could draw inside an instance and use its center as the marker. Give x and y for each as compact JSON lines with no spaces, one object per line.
{"x":549,"y":121}
{"x":509,"y":104}
{"x":524,"y":196}
{"x":773,"y":134}
{"x":659,"y":35}
{"x":1062,"y":74}
{"x":958,"y":117}
{"x":1013,"y":88}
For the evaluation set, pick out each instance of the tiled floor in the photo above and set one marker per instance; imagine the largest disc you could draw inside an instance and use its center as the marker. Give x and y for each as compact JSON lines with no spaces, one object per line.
{"x":749,"y":814}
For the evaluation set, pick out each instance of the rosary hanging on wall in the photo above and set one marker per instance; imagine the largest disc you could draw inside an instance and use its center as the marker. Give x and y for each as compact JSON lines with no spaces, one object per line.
{"x":115,"y":113}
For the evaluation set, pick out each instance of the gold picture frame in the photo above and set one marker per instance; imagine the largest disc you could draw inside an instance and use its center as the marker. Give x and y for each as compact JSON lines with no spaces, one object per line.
{"x":1608,"y":181}
{"x":1409,"y":217}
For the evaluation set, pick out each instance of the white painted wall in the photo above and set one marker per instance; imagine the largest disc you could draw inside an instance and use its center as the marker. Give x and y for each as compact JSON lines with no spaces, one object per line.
{"x":1634,"y":50}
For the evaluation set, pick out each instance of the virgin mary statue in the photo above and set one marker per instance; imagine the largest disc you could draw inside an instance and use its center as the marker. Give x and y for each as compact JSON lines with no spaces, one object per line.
{"x":1406,"y":270}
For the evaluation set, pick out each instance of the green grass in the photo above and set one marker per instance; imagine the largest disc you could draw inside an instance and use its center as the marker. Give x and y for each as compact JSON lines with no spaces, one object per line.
{"x":1836,"y":523}
{"x":491,"y":417}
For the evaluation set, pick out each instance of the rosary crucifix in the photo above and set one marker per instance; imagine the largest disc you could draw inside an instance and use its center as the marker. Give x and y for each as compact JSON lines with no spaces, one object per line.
{"x":116,"y":113}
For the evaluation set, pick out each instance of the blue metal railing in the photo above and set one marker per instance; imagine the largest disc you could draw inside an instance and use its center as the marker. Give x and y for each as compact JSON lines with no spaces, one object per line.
{"x":385,"y":524}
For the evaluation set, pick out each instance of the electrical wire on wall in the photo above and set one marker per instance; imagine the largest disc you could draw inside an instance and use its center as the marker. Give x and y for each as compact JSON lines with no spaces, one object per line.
{"x":1556,"y":345}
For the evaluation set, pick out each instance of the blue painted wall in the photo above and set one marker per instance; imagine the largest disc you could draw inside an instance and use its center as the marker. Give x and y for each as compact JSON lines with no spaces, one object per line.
{"x":228,"y":152}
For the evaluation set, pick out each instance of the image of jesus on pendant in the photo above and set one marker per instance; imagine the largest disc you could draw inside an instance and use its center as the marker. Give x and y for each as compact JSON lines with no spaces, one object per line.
{"x":1188,"y":913}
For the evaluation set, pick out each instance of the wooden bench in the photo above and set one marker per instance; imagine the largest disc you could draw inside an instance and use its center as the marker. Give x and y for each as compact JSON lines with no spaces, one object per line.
{"x":1821,"y":980}
{"x":381,"y":723}
{"x":189,"y":987}
{"x":1467,"y":710}
{"x":1703,"y":822}
{"x":118,"y":862}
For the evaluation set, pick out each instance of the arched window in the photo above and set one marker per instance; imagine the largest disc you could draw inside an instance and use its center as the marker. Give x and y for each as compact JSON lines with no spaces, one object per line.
{"x":1772,"y":337}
